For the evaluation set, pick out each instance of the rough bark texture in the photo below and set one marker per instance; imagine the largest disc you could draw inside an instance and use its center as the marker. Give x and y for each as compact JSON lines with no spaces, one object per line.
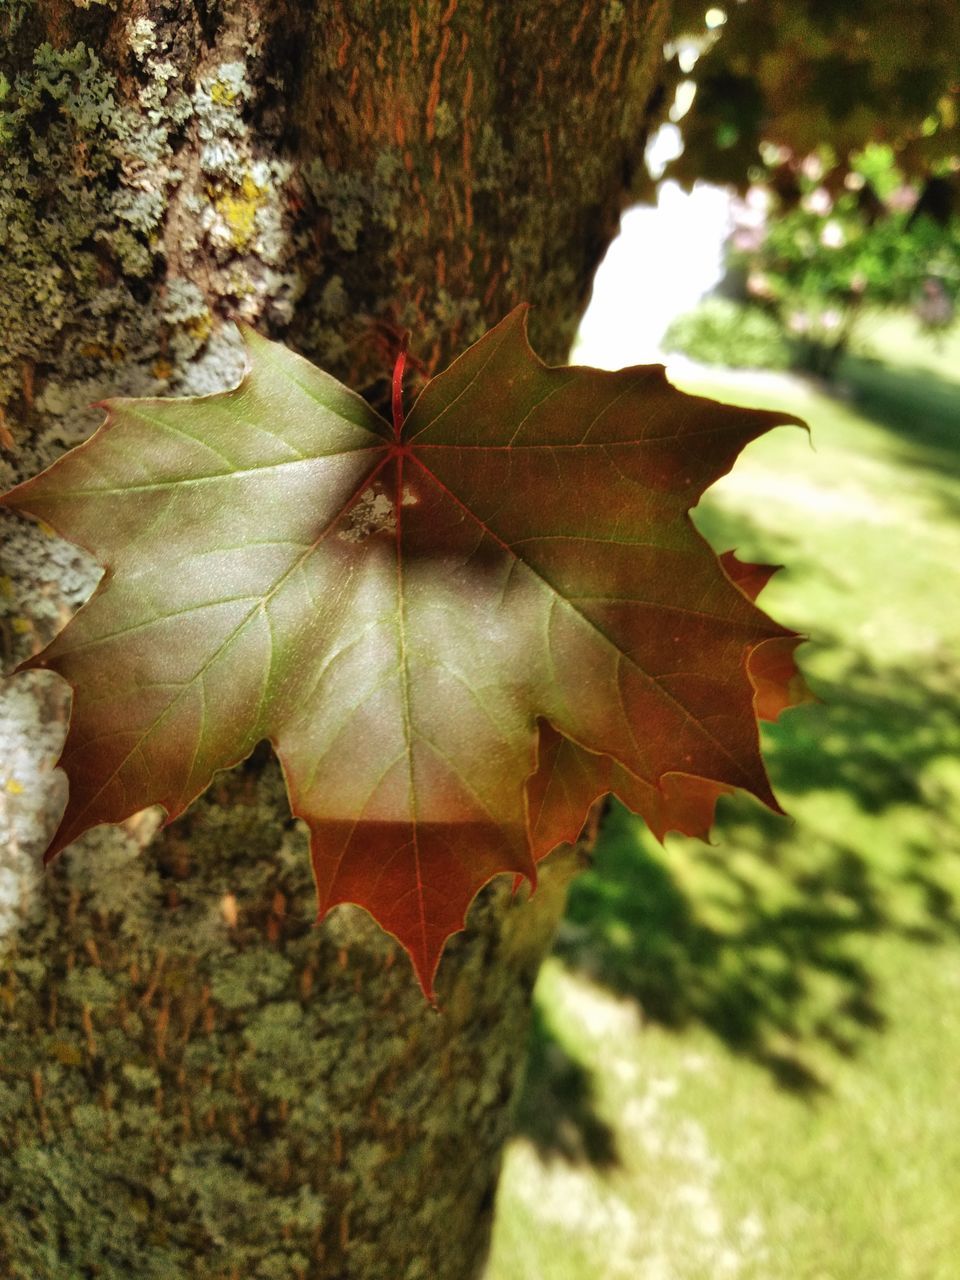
{"x":194,"y":1080}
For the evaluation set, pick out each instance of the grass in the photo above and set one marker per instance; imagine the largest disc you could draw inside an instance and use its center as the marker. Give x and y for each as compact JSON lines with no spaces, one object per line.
{"x":746,"y":1056}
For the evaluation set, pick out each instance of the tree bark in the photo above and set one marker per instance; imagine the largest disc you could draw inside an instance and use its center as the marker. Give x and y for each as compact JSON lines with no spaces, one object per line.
{"x":194,"y":1079}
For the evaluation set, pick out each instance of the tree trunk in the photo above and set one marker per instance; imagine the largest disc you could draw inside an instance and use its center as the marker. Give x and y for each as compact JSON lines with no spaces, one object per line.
{"x":194,"y":1079}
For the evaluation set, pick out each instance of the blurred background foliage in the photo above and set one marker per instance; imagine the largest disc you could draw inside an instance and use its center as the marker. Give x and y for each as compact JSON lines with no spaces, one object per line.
{"x":808,"y":262}
{"x":839,"y":127}
{"x":797,"y":75}
{"x":746,"y":1055}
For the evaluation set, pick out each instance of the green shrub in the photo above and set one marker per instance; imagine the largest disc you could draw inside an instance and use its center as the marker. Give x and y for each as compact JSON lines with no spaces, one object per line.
{"x":720,"y":331}
{"x":815,"y":248}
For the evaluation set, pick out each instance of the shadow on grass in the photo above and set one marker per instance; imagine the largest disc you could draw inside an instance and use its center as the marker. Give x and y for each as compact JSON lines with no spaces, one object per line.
{"x":759,"y":937}
{"x":767,"y":938}
{"x":556,"y":1109}
{"x":921,"y":413}
{"x":763,"y":936}
{"x":873,"y":734}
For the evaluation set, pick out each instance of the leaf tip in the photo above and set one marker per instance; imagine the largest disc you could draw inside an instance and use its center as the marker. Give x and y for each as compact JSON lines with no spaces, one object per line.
{"x":426,"y":974}
{"x":58,"y":842}
{"x":250,"y":336}
{"x":518,"y":319}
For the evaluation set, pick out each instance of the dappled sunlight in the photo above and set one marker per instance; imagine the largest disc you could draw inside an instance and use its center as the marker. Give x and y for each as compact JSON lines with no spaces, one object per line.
{"x":557,"y":1109}
{"x":658,"y":1203}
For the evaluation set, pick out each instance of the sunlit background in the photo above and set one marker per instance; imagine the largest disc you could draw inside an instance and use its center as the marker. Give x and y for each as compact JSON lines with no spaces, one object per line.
{"x":665,"y":259}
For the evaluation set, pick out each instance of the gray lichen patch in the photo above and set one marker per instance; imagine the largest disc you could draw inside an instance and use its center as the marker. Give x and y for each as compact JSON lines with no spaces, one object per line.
{"x":30,"y":742}
{"x":136,"y":211}
{"x":81,"y":209}
{"x":42,"y":580}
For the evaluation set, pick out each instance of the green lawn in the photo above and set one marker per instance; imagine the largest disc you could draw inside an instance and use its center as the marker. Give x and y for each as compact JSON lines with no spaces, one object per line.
{"x":746,"y":1059}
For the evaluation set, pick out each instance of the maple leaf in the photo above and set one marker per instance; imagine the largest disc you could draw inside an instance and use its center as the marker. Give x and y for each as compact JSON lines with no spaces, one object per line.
{"x":569,"y":778}
{"x":457,"y":633}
